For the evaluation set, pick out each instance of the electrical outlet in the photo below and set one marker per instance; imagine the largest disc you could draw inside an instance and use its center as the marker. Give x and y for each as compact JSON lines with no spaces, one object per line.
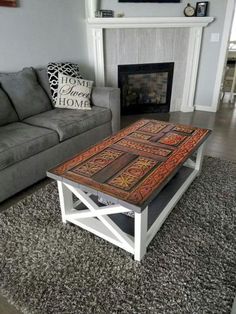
{"x":215,"y":37}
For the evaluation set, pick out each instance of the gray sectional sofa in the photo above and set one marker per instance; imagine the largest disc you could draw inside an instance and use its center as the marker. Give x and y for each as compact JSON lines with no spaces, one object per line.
{"x":35,"y":136}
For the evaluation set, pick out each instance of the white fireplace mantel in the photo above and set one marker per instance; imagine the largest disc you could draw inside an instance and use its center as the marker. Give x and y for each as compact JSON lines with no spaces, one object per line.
{"x":149,"y":22}
{"x":96,"y":26}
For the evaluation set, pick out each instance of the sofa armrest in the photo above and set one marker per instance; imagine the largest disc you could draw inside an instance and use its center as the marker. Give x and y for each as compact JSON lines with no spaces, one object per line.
{"x":108,"y":97}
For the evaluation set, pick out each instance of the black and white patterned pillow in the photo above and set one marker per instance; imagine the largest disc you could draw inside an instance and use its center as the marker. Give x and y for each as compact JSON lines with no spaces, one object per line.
{"x":65,"y":68}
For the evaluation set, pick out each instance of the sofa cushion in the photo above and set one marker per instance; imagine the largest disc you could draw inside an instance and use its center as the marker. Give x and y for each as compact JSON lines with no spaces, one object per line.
{"x":7,"y":113}
{"x":66,"y":68}
{"x":23,"y":89}
{"x":42,"y":75}
{"x":69,"y":123}
{"x":19,"y":141}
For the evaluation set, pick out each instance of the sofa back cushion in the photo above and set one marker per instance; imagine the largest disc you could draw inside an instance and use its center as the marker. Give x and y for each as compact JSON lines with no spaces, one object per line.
{"x":42,"y":75}
{"x":27,"y":96}
{"x":7,"y":112}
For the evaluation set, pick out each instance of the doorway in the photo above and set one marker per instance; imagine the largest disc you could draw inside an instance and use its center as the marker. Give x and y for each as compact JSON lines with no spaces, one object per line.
{"x":229,"y":80}
{"x":221,"y":68}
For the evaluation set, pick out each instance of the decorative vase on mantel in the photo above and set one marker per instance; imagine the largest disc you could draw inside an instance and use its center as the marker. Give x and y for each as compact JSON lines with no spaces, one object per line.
{"x":93,"y":6}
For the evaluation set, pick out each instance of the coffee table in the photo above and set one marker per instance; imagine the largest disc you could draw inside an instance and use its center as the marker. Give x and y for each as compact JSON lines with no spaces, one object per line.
{"x":127,"y":185}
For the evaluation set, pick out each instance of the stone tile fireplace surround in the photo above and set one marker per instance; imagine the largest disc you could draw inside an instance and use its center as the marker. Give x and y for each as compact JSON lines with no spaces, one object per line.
{"x":120,"y":41}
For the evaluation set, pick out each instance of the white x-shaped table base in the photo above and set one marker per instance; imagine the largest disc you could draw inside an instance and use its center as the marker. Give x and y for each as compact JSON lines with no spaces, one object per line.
{"x":96,"y":218}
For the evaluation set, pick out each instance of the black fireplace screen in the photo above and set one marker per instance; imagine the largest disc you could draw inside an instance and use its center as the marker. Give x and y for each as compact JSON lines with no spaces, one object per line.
{"x":145,"y":88}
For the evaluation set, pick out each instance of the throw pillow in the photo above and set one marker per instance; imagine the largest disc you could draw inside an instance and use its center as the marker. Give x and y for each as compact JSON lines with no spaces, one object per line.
{"x":73,"y":93}
{"x":24,"y":91}
{"x":7,"y":113}
{"x":66,"y":68}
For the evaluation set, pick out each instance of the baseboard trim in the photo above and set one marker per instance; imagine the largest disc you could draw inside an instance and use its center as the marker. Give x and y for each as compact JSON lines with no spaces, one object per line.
{"x":189,"y":109}
{"x":205,"y":108}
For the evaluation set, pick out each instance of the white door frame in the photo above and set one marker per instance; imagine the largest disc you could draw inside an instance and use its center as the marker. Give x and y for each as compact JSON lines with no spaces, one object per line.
{"x":229,"y":15}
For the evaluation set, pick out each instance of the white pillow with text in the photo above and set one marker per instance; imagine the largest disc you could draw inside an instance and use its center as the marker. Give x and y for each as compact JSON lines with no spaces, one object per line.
{"x":73,"y":93}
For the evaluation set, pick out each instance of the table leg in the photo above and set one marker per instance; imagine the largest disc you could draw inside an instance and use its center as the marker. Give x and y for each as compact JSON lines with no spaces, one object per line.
{"x":140,"y":234}
{"x":199,"y":159}
{"x":66,"y":200}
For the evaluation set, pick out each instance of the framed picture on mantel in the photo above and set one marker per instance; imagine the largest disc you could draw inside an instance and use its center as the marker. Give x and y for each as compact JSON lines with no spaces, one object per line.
{"x":8,"y":3}
{"x":201,"y":8}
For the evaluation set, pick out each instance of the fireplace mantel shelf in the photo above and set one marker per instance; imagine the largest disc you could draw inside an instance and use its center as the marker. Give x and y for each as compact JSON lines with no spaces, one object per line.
{"x":149,"y":22}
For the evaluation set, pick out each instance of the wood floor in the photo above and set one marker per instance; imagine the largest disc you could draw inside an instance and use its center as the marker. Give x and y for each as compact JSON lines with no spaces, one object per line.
{"x":222,"y":144}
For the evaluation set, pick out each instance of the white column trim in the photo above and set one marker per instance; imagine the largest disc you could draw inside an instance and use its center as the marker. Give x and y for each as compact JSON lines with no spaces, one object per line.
{"x":91,"y":7}
{"x":194,"y":49}
{"x":99,"y":62}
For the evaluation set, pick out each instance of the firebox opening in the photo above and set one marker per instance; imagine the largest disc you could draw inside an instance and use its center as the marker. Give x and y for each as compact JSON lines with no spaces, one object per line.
{"x":145,"y":88}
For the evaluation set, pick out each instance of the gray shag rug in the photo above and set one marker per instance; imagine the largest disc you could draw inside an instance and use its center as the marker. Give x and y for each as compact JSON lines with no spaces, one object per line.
{"x":190,"y":266}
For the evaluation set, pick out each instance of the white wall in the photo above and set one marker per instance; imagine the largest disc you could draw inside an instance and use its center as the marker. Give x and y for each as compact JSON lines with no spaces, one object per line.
{"x":147,"y":9}
{"x":210,"y":50}
{"x":39,"y":31}
{"x":210,"y":55}
{"x":233,"y":31}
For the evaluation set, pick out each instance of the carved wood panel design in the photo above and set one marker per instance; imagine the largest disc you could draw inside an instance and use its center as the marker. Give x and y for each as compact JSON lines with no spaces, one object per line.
{"x":136,"y":162}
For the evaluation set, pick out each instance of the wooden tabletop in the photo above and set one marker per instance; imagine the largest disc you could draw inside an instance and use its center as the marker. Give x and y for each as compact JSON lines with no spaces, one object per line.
{"x":135,"y":163}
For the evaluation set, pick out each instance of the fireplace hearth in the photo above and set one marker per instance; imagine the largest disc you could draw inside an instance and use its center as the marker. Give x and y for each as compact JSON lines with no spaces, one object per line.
{"x":145,"y":88}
